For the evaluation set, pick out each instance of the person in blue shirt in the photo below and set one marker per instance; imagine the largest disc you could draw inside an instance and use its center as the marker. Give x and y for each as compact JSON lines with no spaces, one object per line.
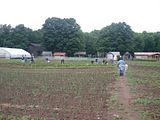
{"x":121,"y":67}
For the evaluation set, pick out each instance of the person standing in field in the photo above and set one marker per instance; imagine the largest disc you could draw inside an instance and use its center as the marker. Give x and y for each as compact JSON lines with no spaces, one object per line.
{"x":32,"y":58}
{"x":62,"y":60}
{"x":121,"y":66}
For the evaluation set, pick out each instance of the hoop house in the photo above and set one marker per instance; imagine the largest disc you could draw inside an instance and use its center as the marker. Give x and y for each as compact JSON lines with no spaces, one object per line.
{"x":13,"y":53}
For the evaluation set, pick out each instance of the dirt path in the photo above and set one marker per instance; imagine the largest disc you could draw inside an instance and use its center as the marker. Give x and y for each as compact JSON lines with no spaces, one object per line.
{"x":125,"y":100}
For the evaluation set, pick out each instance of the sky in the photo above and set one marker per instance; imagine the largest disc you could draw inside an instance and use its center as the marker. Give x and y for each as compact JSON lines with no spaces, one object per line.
{"x":141,"y":15}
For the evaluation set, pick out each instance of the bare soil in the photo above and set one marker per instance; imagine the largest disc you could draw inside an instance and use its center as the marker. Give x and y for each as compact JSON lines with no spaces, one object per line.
{"x":56,"y":94}
{"x":125,"y":99}
{"x":91,"y":103}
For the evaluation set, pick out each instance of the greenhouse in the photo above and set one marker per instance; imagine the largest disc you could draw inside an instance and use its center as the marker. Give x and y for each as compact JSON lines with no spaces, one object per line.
{"x":13,"y":53}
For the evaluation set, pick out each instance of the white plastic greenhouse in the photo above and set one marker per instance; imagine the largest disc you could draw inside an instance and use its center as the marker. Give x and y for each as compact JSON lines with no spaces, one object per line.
{"x":13,"y":53}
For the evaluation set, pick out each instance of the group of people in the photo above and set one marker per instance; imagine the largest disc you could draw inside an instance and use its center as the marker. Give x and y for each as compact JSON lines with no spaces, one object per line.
{"x":97,"y":61}
{"x":24,"y":58}
{"x":122,"y":66}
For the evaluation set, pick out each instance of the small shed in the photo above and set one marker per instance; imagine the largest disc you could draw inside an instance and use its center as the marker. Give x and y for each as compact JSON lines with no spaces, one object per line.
{"x":112,"y":56}
{"x":59,"y":54}
{"x":128,"y":55}
{"x":47,"y":53}
{"x":13,"y":53}
{"x":80,"y":54}
{"x":35,"y":49}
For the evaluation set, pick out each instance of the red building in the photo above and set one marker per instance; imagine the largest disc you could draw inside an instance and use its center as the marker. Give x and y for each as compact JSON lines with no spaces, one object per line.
{"x":59,"y":54}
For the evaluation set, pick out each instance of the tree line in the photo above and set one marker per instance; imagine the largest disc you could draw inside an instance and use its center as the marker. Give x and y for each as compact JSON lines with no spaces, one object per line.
{"x":65,"y":35}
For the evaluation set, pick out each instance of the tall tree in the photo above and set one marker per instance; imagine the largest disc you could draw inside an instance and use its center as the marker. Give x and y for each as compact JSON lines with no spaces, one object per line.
{"x":62,"y":35}
{"x":37,"y":36}
{"x":116,"y":37}
{"x":21,"y":36}
{"x":5,"y":35}
{"x":157,"y":41}
{"x":91,"y":42}
{"x":138,"y":42}
{"x":149,"y":42}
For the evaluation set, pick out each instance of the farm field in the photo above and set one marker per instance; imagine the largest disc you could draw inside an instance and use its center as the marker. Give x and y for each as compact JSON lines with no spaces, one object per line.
{"x":78,"y":90}
{"x":144,"y":78}
{"x":39,"y":92}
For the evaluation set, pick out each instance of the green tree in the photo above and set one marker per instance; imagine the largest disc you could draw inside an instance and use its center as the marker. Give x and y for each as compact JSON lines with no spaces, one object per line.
{"x":91,"y":42}
{"x":21,"y":36}
{"x":62,"y":35}
{"x":138,"y":42}
{"x":149,"y":42}
{"x":37,"y":36}
{"x":116,"y":37}
{"x":5,"y":35}
{"x":157,"y":41}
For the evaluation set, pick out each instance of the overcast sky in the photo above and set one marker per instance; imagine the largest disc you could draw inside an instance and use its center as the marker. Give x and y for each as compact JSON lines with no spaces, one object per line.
{"x":141,"y":15}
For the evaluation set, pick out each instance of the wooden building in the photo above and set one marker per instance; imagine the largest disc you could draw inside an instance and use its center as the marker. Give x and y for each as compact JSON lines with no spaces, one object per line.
{"x":147,"y":55}
{"x":35,"y":49}
{"x":80,"y":54}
